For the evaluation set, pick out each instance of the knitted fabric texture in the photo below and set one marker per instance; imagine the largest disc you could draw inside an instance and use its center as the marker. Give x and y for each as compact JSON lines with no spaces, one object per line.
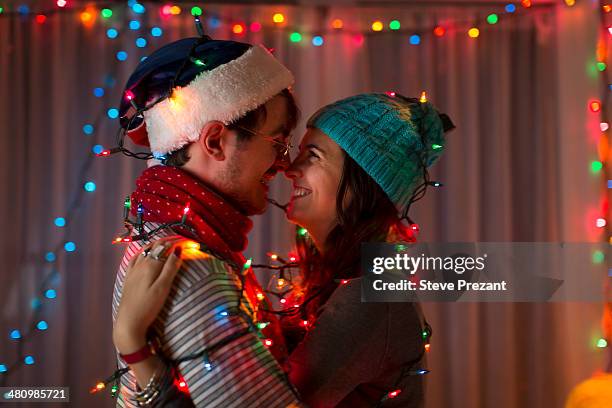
{"x":390,"y":137}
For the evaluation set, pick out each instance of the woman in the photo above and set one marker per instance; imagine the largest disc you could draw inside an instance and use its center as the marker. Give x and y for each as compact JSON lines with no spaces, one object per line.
{"x":362,"y":161}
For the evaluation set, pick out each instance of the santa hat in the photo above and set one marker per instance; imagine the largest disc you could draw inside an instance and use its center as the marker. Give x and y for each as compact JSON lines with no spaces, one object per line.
{"x":189,"y":82}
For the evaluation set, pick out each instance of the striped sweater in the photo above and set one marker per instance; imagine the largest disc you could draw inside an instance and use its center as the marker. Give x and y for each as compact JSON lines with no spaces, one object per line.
{"x":242,"y":373}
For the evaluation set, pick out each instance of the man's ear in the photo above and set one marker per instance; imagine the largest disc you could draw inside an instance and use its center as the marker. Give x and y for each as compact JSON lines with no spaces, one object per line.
{"x":212,"y":139}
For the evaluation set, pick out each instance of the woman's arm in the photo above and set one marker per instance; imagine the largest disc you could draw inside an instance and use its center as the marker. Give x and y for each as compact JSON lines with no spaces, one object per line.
{"x":151,"y":279}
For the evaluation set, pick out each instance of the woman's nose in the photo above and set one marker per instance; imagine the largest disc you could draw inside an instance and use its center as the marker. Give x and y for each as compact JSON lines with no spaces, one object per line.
{"x":292,"y":171}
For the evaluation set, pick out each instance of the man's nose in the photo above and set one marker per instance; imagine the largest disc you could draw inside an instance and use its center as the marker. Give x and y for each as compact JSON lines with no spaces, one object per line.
{"x":283,"y":162}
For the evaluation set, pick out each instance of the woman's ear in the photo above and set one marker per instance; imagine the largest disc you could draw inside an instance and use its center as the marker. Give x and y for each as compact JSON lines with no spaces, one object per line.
{"x":212,"y":140}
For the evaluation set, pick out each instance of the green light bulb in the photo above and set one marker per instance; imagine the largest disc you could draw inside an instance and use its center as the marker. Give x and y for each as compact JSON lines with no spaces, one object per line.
{"x":598,"y":257}
{"x":394,"y":25}
{"x":107,"y":13}
{"x":596,"y":166}
{"x":295,"y":37}
{"x":196,"y":11}
{"x":492,"y":18}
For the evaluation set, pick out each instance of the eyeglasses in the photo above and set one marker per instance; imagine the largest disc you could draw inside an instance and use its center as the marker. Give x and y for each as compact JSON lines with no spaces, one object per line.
{"x":282,"y":148}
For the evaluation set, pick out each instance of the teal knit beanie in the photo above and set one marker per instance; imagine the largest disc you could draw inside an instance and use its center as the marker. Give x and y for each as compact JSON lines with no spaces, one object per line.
{"x":393,"y":138}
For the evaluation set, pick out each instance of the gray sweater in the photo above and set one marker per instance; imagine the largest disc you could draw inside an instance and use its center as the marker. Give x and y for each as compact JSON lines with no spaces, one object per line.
{"x":368,"y":344}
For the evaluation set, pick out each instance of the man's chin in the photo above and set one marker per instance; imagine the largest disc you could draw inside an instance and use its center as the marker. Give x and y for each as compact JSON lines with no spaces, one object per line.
{"x":254,"y":207}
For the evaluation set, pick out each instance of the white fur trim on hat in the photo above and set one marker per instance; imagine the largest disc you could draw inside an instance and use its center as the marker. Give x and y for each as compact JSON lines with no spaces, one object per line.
{"x":225,"y":94}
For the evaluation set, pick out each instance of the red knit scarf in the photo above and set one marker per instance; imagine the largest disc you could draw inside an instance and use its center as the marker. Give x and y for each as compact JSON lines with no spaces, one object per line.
{"x":165,"y":191}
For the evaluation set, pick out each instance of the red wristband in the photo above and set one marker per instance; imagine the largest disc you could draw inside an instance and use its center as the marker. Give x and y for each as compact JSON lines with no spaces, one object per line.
{"x":143,"y":353}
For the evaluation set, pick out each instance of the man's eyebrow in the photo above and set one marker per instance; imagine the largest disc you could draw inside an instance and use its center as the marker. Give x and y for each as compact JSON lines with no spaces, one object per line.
{"x":281,"y":128}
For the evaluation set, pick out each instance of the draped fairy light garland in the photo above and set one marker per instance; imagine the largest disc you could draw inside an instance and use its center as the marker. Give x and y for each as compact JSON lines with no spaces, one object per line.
{"x":47,"y":290}
{"x":106,"y":13}
{"x":93,"y":12}
{"x":601,"y":167}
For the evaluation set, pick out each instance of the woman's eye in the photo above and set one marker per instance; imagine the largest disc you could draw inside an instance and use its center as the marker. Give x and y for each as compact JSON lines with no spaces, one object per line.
{"x":312,"y":154}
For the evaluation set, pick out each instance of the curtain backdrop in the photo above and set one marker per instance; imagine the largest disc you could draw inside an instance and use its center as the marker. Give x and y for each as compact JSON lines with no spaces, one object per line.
{"x":515,"y":169}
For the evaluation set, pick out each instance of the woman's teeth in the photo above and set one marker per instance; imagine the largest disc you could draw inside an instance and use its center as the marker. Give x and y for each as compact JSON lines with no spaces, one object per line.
{"x":300,"y":192}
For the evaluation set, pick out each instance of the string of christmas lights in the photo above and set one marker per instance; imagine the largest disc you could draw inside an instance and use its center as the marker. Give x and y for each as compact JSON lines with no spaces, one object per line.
{"x":88,"y":15}
{"x":253,"y":325}
{"x":47,"y":290}
{"x":601,"y":167}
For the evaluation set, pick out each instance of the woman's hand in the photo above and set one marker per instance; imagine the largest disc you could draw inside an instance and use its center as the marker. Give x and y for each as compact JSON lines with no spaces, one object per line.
{"x":147,"y":284}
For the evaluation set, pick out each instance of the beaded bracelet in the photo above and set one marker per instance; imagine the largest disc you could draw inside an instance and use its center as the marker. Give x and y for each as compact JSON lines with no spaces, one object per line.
{"x":145,"y":397}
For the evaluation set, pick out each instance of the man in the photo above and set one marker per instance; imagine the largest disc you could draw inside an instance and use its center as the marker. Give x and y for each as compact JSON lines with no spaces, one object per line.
{"x":218,"y":114}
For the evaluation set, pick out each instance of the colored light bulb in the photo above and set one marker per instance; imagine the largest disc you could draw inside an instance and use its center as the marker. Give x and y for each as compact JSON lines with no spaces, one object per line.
{"x":377,"y":26}
{"x":394,"y":393}
{"x":439,"y":31}
{"x":317,"y":41}
{"x":238,"y":29}
{"x":90,"y":186}
{"x":295,"y":37}
{"x":423,"y":97}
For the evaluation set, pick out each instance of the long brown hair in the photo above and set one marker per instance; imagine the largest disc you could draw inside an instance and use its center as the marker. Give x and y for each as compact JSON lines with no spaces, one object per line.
{"x":364,"y":214}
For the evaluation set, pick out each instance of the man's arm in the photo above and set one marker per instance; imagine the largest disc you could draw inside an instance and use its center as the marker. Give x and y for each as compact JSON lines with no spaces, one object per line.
{"x":222,"y":359}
